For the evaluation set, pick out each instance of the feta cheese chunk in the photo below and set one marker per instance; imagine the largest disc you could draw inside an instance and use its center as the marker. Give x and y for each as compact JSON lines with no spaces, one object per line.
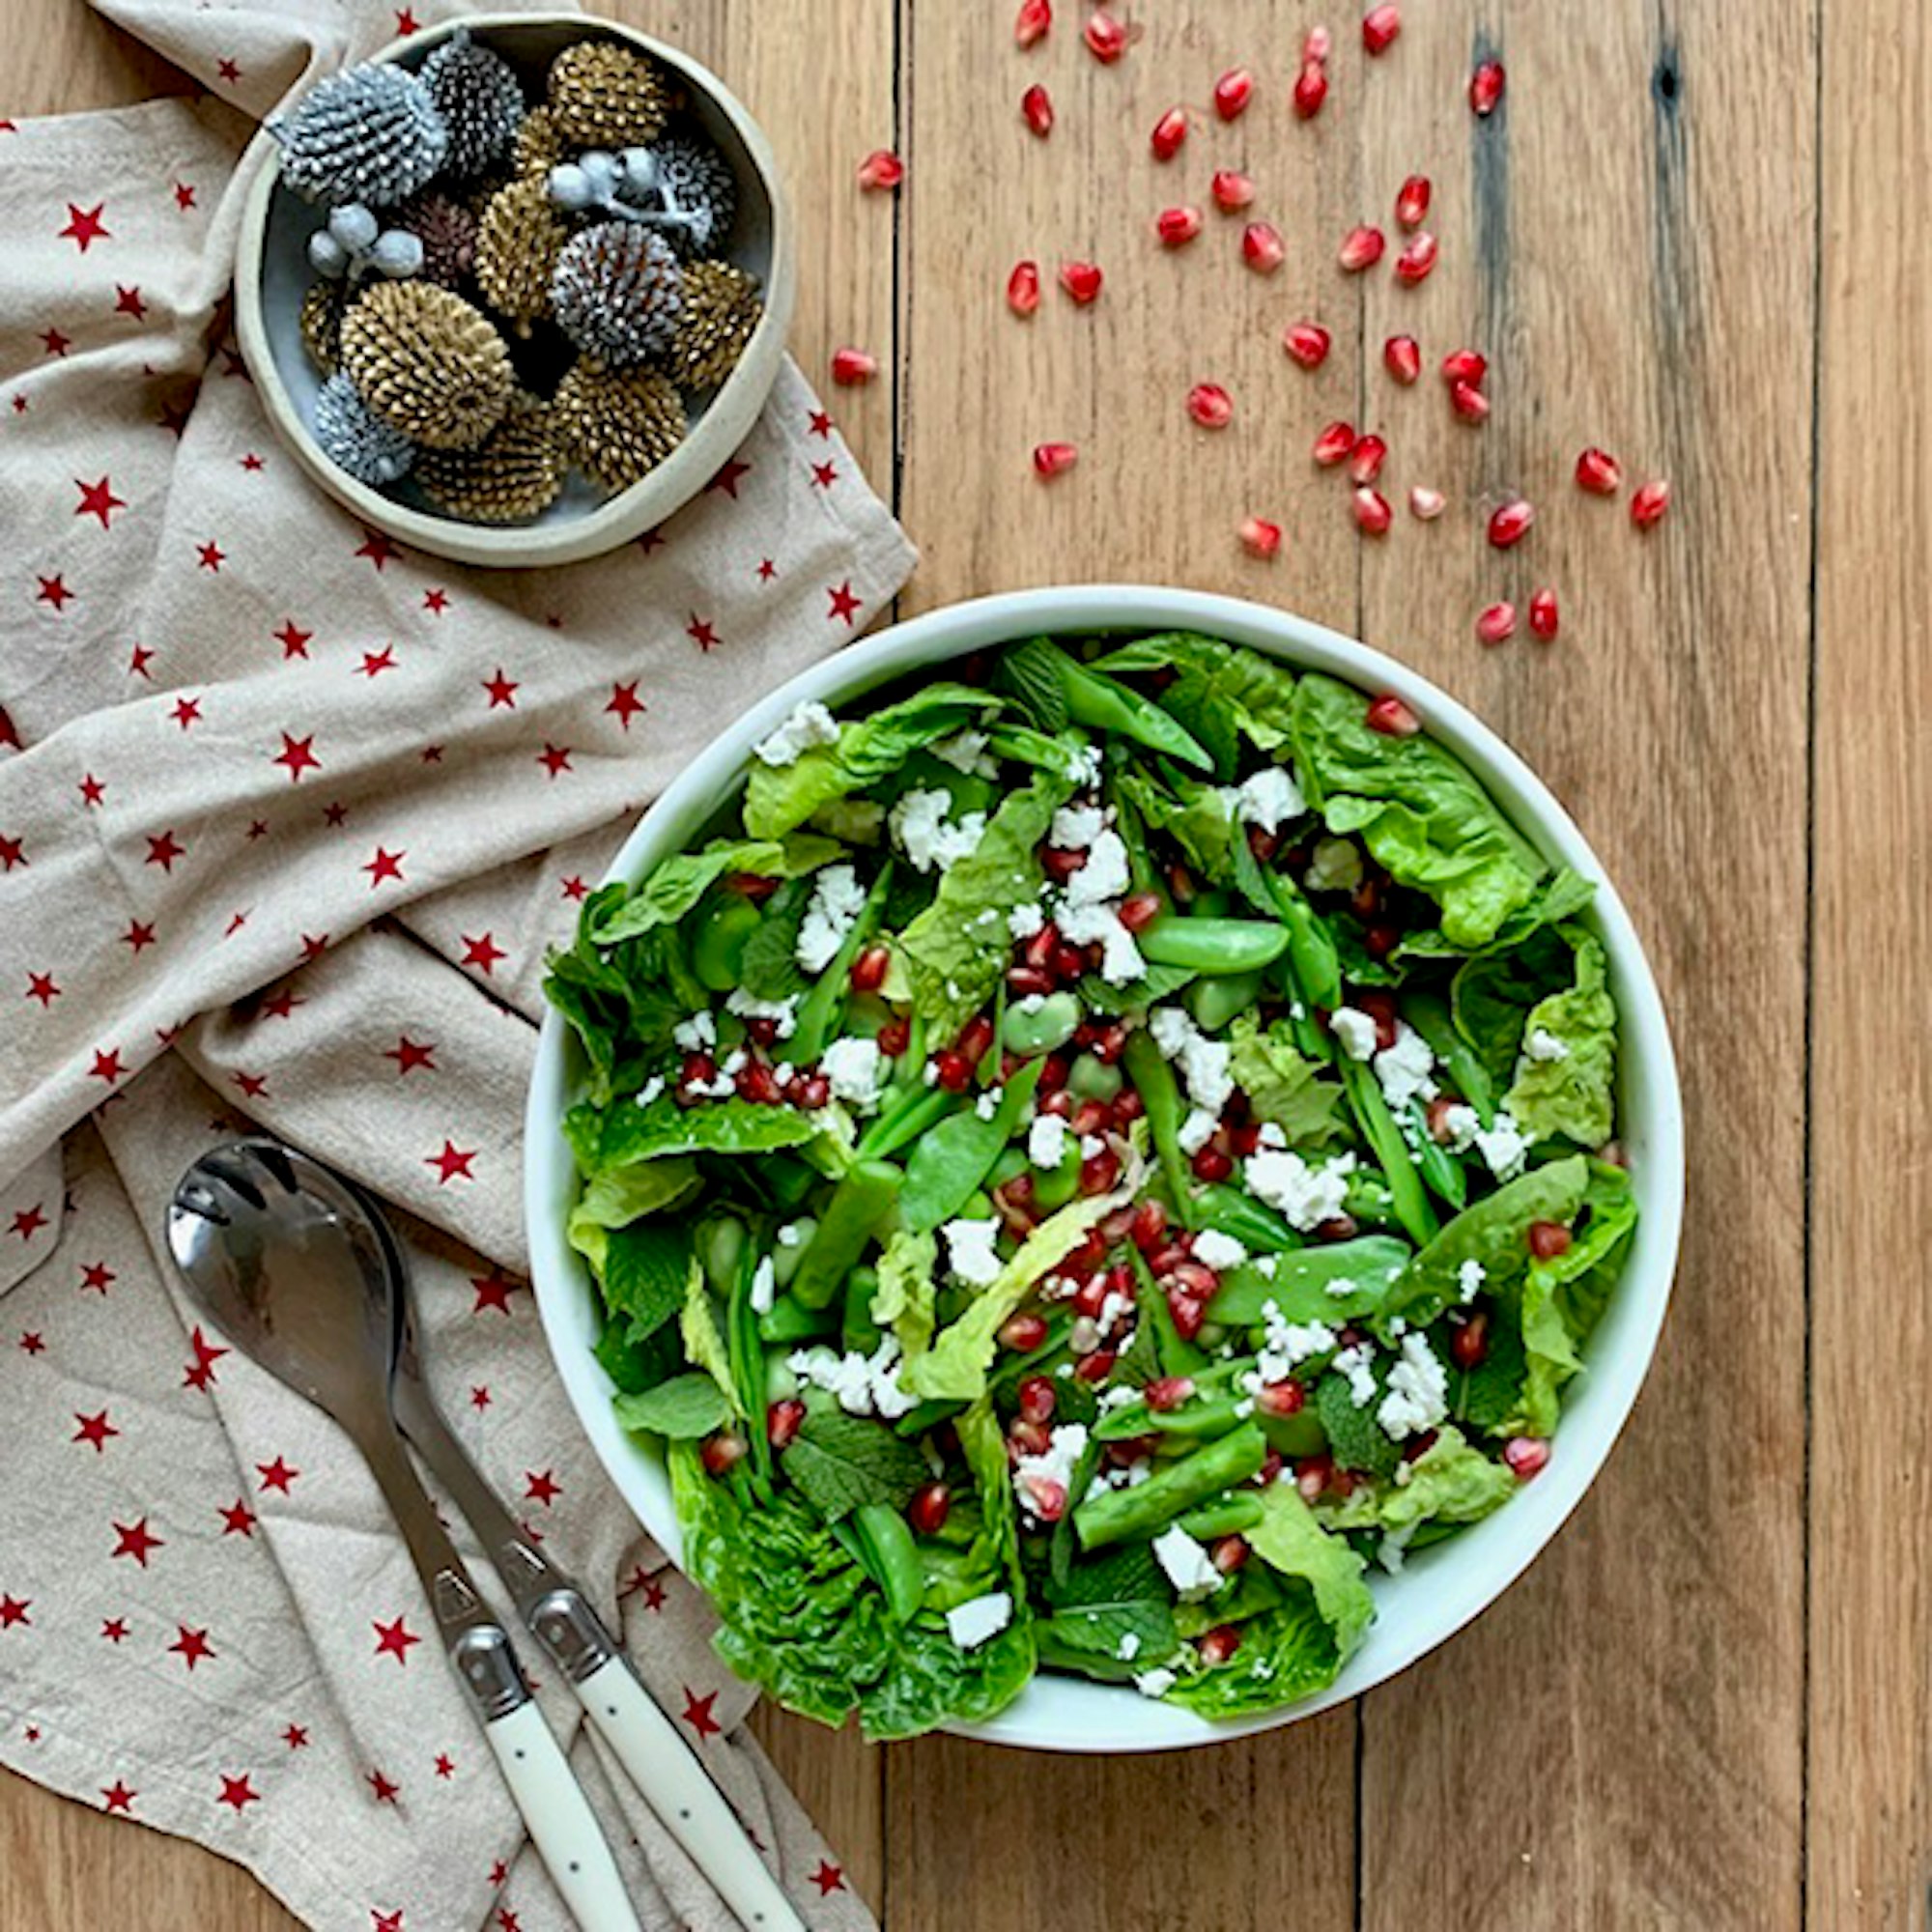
{"x":784,"y":1012}
{"x":1335,"y":865}
{"x":1543,"y":1044}
{"x":1201,"y":1062}
{"x":1046,"y":1141}
{"x":1076,"y":827}
{"x":1155,"y":1683}
{"x":1418,"y":1390}
{"x":838,"y":898}
{"x":1503,"y":1146}
{"x":809,"y":724}
{"x":764,"y":1286}
{"x":1358,"y":1365}
{"x":970,"y":1250}
{"x":698,"y":1034}
{"x":1307,"y":1196}
{"x":930,"y":839}
{"x":1471,"y":1275}
{"x":1355,"y":1030}
{"x":966,"y":751}
{"x":861,"y":1385}
{"x":1186,"y":1564}
{"x":1024,"y":920}
{"x":979,"y":1619}
{"x":1218,"y":1251}
{"x":1404,"y":1070}
{"x":1268,"y":798}
{"x":852,"y":1069}
{"x":1197,"y":1130}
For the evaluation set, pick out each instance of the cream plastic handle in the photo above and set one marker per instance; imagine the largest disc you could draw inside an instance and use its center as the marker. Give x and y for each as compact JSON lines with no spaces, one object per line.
{"x":562,"y":1822}
{"x":691,"y":1808}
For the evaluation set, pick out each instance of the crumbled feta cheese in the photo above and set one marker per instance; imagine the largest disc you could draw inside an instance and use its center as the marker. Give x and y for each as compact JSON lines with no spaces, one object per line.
{"x":1046,"y":1141}
{"x":733,"y":1062}
{"x":988,"y":1104}
{"x":838,"y":898}
{"x":1024,"y":920}
{"x":1100,"y":925}
{"x":1076,"y":827}
{"x":1188,"y":1566}
{"x":1461,"y":1123}
{"x":1471,"y":1275}
{"x":1341,"y":1288}
{"x":1197,"y":1130}
{"x":1395,"y":1542}
{"x":1267,"y":1265}
{"x":1503,"y":1146}
{"x":861,"y":1385}
{"x":1050,"y":1473}
{"x":1115,"y":1310}
{"x":1201,"y":1062}
{"x":1130,"y":1646}
{"x":1268,"y":798}
{"x":1157,"y":1683}
{"x":1543,"y":1044}
{"x":1355,"y":1030}
{"x":979,"y":1618}
{"x":1271,"y":1135}
{"x":697,"y":1033}
{"x":966,"y":751}
{"x":650,"y":1089}
{"x":1398,"y":1327}
{"x":970,"y":1248}
{"x":1087,"y":766}
{"x":928,"y":838}
{"x":1358,"y":1365}
{"x":1104,"y":875}
{"x":1218,"y":1251}
{"x":852,"y":1069}
{"x":764,"y":1286}
{"x":1418,"y":1390}
{"x":1090,"y":1145}
{"x":1404,"y":1068}
{"x":809,"y":724}
{"x":1307,"y":1196}
{"x":1334,"y":866}
{"x":791,"y":1236}
{"x":784,"y":1012}
{"x":1285,"y":1345}
{"x":1119,"y":1396}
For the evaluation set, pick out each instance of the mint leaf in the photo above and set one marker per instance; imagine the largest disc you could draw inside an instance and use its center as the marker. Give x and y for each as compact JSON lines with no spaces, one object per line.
{"x":683,"y":1407}
{"x":636,"y":1362}
{"x":646,"y":1269}
{"x":1031,"y":673}
{"x":1355,"y":1438}
{"x":1492,"y":1390}
{"x":1221,"y":692}
{"x":1105,"y":1599}
{"x":676,"y":884}
{"x":769,"y":968}
{"x":840,"y":1462}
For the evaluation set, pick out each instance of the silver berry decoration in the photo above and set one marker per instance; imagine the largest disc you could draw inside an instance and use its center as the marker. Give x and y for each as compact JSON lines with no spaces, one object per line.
{"x":369,"y":134}
{"x":356,"y":441}
{"x":696,"y":185}
{"x":354,"y":243}
{"x":617,"y":292}
{"x":481,"y":99}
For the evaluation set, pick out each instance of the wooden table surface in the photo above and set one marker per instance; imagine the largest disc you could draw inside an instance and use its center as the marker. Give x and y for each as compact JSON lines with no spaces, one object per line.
{"x":1695,"y":235}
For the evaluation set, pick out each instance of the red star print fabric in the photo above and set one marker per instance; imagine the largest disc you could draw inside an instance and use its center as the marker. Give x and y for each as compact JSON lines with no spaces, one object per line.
{"x":289,"y":815}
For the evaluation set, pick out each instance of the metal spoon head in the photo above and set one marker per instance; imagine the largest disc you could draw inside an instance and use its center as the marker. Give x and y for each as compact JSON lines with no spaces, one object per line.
{"x":287,"y":1261}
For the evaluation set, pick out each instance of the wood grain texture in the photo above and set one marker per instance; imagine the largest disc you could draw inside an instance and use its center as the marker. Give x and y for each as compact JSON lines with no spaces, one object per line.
{"x":1710,"y":1704}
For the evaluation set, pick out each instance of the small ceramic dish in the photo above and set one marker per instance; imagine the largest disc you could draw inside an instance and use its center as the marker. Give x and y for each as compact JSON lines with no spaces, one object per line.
{"x":272,"y":274}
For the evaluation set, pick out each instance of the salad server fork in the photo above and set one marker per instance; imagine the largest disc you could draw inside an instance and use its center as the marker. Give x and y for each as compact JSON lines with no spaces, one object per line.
{"x":281,"y":1256}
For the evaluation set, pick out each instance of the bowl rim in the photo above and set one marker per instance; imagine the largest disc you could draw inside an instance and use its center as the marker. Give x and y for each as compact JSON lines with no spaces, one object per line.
{"x":716,"y":433}
{"x":1071,"y":1715}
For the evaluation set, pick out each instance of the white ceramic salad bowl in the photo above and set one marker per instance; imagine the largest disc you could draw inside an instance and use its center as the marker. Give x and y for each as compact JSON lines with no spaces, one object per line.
{"x":1439,"y":1589}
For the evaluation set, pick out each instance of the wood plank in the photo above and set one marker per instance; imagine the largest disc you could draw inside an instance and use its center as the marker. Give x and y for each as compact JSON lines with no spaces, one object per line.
{"x":1619,"y":1742}
{"x":1871,"y":1098}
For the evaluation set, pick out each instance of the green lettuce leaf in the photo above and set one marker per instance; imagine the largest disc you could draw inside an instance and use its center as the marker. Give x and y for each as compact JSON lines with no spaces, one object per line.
{"x":1560,"y":896}
{"x":703,"y":1341}
{"x":1451,"y":1482}
{"x":844,"y":1461}
{"x":955,"y":953}
{"x":1221,"y":692}
{"x":622,"y":1195}
{"x":905,"y":1300}
{"x":1116,"y":1595}
{"x":1572,"y":1095}
{"x":1287,"y":1652}
{"x":680,"y":1409}
{"x":1420,"y":811}
{"x":1492,"y":995}
{"x":637,"y":1362}
{"x":676,"y":884}
{"x":607,"y":1140}
{"x":644,"y":1271}
{"x":1281,"y":1085}
{"x":780,"y":797}
{"x":1294,"y":1543}
{"x":769,"y":968}
{"x":1197,"y":816}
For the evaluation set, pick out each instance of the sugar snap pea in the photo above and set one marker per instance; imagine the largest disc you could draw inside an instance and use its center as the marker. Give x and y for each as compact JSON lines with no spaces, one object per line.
{"x":1438,"y":1171}
{"x":950,"y":1165}
{"x":1217,"y":998}
{"x":1225,"y":1516}
{"x":859,"y":1330}
{"x":1302,"y":1284}
{"x":790,"y":1321}
{"x":1160,"y":1094}
{"x":1384,"y":1138}
{"x":1213,"y":945}
{"x":1125,"y":1515}
{"x":862,"y":1199}
{"x":891,"y":1557}
{"x":1096,"y":701}
{"x":917,"y":1111}
{"x":1251,"y":1222}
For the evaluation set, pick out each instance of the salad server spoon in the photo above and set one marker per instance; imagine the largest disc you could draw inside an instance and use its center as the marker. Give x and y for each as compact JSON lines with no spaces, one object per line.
{"x":283,"y":1258}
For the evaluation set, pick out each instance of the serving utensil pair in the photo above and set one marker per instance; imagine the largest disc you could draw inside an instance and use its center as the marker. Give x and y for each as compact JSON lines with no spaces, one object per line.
{"x":301,"y":1271}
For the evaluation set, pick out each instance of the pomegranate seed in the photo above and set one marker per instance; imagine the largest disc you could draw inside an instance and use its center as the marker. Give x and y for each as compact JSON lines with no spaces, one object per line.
{"x":754,"y":886}
{"x":757,"y":1083}
{"x":1098,"y":1366}
{"x":1308,"y":342}
{"x":881,"y":169}
{"x":1090,"y":1297}
{"x":1464,"y":366}
{"x":1211,"y":1164}
{"x":1054,"y":459}
{"x":1211,"y":405}
{"x":1335,"y":444}
{"x":781,"y":1422}
{"x":1547,"y":1239}
{"x":1469,"y":1344}
{"x":1164,"y":1260}
{"x":1486,"y":89}
{"x":1139,"y":910}
{"x":1373,"y":515}
{"x":1648,"y":505}
{"x":1100,"y":1171}
{"x":1218,"y":1644}
{"x":1059,"y":863}
{"x":1366,"y":459}
{"x":1038,"y":950}
{"x":1599,"y":472}
{"x":1510,"y":523}
{"x":852,"y":366}
{"x":1311,"y":89}
{"x":1081,"y":280}
{"x":976,"y":1038}
{"x":762,"y":1030}
{"x":1047,"y":1496}
{"x":1231,"y":189}
{"x":1542,"y":615}
{"x":1053,"y":1071}
{"x":1088,"y":1255}
{"x":1402,"y":356}
{"x":1417,"y":259}
{"x":954,"y":1070}
{"x":1036,"y":110}
{"x":1411,"y":201}
{"x":1169,"y":132}
{"x":1069,"y":963}
{"x":895,"y":1037}
{"x":1526,"y":1456}
{"x":1497,"y":623}
{"x":1228,"y":1553}
{"x":812,"y":1093}
{"x":1361,"y":248}
{"x":1261,"y":247}
{"x":1177,"y":226}
{"x":1392,"y":717}
{"x":1106,"y":38}
{"x":1187,"y":1311}
{"x":720,"y":1452}
{"x":1034,"y":20}
{"x":1037,"y":1398}
{"x":868,"y":970}
{"x":1380,"y":27}
{"x":1468,"y":402}
{"x":1028,"y":981}
{"x":930,"y":1508}
{"x":1029,"y":1439}
{"x":1023,"y":1333}
{"x":700,"y":1069}
{"x":1435,"y":1119}
{"x":1023,"y":288}
{"x":1424,"y":504}
{"x":1167,"y":1392}
{"x":1284,"y":1398}
{"x":1318,"y":44}
{"x":1259,"y":538}
{"x":1232,"y":91}
{"x":1313,"y":1474}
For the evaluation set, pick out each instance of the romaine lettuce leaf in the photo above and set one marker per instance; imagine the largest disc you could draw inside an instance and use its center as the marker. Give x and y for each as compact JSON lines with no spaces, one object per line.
{"x":1571,"y":1095}
{"x":1451,"y":1481}
{"x":1281,"y":1085}
{"x":1294,"y":1543}
{"x":1420,"y":811}
{"x":780,"y":797}
{"x":956,"y":949}
{"x":704,"y":1345}
{"x":1560,"y":896}
{"x":1197,"y":816}
{"x":1286,"y":1653}
{"x":676,"y":884}
{"x":1220,"y":693}
{"x":904,"y":1299}
{"x":607,"y":1139}
{"x":1492,"y":995}
{"x":621,"y":1195}
{"x":680,"y":1409}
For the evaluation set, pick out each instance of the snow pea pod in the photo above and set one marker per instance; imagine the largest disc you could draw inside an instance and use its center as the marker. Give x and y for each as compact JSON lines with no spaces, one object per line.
{"x":951,"y":1163}
{"x":819,"y":1010}
{"x":1249,"y":1221}
{"x":1124,"y":1516}
{"x":1213,"y":945}
{"x":1226,"y":1516}
{"x":1391,"y":1152}
{"x":1202,"y":1417}
{"x":1303,"y":1283}
{"x":859,"y":1202}
{"x":1160,"y":1094}
{"x":786,"y":1255}
{"x":891,"y":1557}
{"x":745,"y":1355}
{"x":1440,"y":1173}
{"x":790,"y":1321}
{"x":1097,"y":701}
{"x":918,"y":1110}
{"x":859,"y":1329}
{"x":718,"y":944}
{"x":1429,"y":1014}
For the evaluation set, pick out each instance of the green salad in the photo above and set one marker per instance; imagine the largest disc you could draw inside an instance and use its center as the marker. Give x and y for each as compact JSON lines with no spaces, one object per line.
{"x":1089,"y":1158}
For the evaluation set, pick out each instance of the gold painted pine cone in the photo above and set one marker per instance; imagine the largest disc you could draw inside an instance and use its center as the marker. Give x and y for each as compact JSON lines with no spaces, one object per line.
{"x":618,"y":425}
{"x":427,"y":363}
{"x":320,"y":325}
{"x":721,"y":308}
{"x":517,"y":248}
{"x":512,"y":475}
{"x":539,"y":145}
{"x":606,"y":95}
